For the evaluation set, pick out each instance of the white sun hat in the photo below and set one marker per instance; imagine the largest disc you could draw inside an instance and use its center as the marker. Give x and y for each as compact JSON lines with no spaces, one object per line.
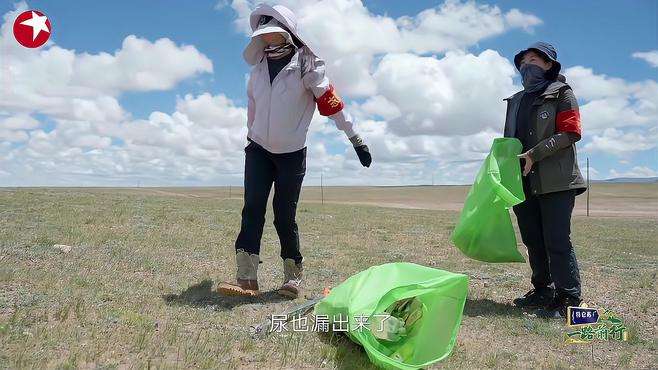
{"x":283,"y":20}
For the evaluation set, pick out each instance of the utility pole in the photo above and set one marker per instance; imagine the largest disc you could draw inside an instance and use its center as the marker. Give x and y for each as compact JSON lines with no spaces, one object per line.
{"x":589,"y":189}
{"x":229,"y":192}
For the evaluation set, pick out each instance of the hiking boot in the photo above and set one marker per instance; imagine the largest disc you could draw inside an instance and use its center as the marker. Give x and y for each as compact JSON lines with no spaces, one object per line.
{"x":535,"y":298}
{"x":246,"y":284}
{"x":557,"y":309}
{"x":292,"y":279}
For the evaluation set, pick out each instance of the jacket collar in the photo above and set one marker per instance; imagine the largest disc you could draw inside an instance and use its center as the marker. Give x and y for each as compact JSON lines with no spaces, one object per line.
{"x":551,"y":89}
{"x":292,"y":64}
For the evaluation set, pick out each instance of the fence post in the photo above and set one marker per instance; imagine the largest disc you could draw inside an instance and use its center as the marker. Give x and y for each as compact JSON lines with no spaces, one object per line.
{"x":589,"y":189}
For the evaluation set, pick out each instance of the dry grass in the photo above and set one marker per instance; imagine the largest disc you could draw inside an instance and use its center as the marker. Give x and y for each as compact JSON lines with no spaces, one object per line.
{"x":136,"y":290}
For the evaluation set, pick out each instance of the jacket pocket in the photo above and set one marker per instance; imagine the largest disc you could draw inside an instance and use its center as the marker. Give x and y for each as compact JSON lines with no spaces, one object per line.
{"x":567,"y":163}
{"x":550,"y":173}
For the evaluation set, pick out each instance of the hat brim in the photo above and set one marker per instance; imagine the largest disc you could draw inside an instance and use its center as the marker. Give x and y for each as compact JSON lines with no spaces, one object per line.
{"x":519,"y":56}
{"x":268,"y":29}
{"x":253,"y":53}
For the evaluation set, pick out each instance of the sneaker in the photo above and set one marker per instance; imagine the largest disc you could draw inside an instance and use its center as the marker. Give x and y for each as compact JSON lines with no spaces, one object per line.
{"x":535,"y":298}
{"x":557,"y":309}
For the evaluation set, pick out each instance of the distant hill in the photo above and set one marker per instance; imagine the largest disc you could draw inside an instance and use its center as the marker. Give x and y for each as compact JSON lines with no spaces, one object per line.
{"x":641,"y":180}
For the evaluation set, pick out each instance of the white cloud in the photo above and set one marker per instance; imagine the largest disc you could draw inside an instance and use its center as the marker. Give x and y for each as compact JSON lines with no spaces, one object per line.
{"x":140,"y":65}
{"x":453,"y":24}
{"x":426,"y":102}
{"x":613,"y":102}
{"x":378,"y":105}
{"x":594,"y":174}
{"x":591,"y":86}
{"x":91,"y":139}
{"x":423,"y":115}
{"x":620,"y":143}
{"x":438,"y":96}
{"x":209,"y":111}
{"x":80,"y":86}
{"x":516,"y":18}
{"x":350,"y":44}
{"x":19,"y":122}
{"x":650,"y":57}
{"x":14,"y":129}
{"x":635,"y":172}
{"x":164,"y":149}
{"x":13,"y":136}
{"x":456,"y":25}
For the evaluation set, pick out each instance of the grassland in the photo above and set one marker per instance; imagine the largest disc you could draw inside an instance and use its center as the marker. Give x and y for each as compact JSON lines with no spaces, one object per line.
{"x":136,"y":290}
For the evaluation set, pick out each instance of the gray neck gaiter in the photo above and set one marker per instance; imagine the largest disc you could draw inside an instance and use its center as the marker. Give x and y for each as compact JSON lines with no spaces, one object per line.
{"x":534,"y":77}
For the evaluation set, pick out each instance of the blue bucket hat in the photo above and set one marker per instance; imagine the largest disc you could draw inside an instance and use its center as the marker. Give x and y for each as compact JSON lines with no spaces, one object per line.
{"x":542,"y":47}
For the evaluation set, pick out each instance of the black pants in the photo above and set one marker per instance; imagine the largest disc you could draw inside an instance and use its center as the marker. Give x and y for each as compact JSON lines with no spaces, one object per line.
{"x":286,"y":171}
{"x":545,"y":225}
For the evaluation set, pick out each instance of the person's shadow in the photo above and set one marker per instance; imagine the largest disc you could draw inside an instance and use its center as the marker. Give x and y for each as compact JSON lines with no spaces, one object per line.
{"x":349,"y":355}
{"x":202,"y":295}
{"x":487,"y":307}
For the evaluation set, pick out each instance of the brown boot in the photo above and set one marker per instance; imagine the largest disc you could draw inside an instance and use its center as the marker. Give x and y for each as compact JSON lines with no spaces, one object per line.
{"x":292,"y":279}
{"x":247,"y":276}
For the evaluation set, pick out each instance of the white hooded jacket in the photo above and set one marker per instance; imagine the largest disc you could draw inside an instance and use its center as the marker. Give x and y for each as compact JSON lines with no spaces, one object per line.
{"x":279,"y":113}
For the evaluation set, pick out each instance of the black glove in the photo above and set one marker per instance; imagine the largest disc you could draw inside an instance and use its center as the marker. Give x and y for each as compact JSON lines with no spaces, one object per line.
{"x":364,"y":155}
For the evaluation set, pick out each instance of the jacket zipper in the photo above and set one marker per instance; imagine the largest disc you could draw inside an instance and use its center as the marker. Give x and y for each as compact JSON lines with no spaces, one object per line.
{"x":269,"y":103}
{"x":271,"y":85}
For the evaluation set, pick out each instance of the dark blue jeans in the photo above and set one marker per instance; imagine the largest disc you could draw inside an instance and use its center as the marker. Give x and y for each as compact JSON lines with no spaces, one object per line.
{"x":262,"y":169}
{"x":545,"y":225}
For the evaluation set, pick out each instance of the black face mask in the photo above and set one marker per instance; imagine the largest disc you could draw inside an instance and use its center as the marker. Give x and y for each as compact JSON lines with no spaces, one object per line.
{"x":534,"y":77}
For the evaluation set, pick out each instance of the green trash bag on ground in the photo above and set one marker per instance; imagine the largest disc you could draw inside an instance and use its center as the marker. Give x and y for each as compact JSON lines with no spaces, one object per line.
{"x":485,"y":230}
{"x":420,"y":306}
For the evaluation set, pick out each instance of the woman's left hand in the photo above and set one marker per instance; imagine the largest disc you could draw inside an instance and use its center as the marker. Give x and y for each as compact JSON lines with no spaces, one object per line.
{"x":528,"y":163}
{"x":363,"y":153}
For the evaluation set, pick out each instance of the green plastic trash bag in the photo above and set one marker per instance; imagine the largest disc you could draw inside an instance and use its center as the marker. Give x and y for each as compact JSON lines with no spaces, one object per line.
{"x":485,"y":230}
{"x":424,"y":304}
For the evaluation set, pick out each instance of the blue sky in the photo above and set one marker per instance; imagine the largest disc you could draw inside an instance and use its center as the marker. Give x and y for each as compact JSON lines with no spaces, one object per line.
{"x":598,"y":35}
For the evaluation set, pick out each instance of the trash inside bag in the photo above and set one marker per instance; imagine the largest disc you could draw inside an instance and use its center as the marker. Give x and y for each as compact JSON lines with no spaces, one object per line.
{"x":412,"y":312}
{"x":484,"y":231}
{"x":388,"y":328}
{"x":392,"y":325}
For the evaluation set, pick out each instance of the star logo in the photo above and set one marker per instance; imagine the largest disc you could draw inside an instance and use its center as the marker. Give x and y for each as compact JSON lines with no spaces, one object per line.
{"x":32,"y":29}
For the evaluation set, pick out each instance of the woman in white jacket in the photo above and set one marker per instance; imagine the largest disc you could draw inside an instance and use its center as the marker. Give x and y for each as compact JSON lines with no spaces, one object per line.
{"x":286,"y":83}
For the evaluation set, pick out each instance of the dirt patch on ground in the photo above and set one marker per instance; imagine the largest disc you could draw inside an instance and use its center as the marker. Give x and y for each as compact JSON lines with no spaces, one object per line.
{"x":606,"y":200}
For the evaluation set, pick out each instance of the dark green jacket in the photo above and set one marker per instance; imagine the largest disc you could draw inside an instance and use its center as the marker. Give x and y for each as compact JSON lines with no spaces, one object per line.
{"x":552,"y":135}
